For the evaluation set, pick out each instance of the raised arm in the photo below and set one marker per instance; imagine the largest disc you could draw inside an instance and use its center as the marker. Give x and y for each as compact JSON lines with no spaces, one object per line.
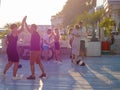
{"x":22,"y":25}
{"x":27,"y":27}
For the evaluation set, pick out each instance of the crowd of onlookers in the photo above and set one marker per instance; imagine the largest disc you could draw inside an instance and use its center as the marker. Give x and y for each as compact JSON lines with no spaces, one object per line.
{"x":38,"y":44}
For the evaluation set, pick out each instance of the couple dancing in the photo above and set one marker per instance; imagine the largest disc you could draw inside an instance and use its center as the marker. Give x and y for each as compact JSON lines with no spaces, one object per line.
{"x":13,"y":57}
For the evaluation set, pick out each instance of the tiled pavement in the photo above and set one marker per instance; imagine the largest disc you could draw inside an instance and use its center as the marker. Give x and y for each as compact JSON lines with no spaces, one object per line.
{"x":100,"y":73}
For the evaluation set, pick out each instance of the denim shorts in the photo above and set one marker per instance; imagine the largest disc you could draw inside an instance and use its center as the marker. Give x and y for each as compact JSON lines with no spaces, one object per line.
{"x":45,"y":48}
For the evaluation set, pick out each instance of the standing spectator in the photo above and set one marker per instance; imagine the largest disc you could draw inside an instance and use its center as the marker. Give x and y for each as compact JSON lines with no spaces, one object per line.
{"x":112,"y":39}
{"x":112,"y":45}
{"x":35,"y":54}
{"x":12,"y":53}
{"x":48,"y":42}
{"x":70,"y":40}
{"x":76,"y":33}
{"x":57,"y":45}
{"x":83,"y":40}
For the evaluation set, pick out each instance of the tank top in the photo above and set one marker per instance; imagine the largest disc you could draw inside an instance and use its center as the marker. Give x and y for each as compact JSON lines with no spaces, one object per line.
{"x":35,"y":42}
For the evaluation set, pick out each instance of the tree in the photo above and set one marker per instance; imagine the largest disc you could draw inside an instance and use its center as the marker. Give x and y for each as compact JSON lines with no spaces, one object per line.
{"x":7,"y":29}
{"x":107,"y":23}
{"x":73,"y":8}
{"x":90,"y":19}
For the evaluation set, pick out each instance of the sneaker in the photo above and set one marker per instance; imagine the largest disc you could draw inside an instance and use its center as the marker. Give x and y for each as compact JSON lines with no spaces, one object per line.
{"x":31,"y":77}
{"x":19,"y":66}
{"x":83,"y":64}
{"x":78,"y":62}
{"x":59,"y":62}
{"x":54,"y":61}
{"x":16,"y":78}
{"x":43,"y":76}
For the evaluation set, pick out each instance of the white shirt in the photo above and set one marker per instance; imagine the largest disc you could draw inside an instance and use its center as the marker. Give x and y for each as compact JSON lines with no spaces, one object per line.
{"x":83,"y":34}
{"x":49,"y":40}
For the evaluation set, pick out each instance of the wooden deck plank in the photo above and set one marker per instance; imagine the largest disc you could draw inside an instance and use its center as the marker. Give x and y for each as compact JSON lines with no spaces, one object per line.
{"x":100,"y":73}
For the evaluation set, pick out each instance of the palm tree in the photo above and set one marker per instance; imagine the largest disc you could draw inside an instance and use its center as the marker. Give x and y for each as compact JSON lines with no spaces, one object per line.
{"x":90,"y":19}
{"x":73,"y":8}
{"x":7,"y":29}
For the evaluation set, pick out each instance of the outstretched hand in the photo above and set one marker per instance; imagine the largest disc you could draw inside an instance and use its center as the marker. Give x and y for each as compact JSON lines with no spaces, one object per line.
{"x":24,"y":20}
{"x":22,"y":25}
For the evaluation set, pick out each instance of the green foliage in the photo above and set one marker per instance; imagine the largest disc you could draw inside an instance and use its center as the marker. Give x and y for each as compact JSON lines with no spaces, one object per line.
{"x":90,"y":18}
{"x":107,"y":24}
{"x":3,"y":33}
{"x":73,"y":8}
{"x":7,"y":29}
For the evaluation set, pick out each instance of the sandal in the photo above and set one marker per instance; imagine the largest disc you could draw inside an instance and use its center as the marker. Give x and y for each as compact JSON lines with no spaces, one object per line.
{"x":43,"y":76}
{"x":31,"y":77}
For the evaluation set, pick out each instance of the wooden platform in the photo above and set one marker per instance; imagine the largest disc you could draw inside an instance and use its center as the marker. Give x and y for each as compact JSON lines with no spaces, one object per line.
{"x":100,"y":73}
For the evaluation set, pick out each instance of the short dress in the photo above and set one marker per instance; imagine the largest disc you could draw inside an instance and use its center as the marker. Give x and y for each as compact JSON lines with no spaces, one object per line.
{"x":12,"y":48}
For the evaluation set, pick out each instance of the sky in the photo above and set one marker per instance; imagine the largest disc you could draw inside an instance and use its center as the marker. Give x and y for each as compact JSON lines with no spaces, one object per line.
{"x":37,"y":11}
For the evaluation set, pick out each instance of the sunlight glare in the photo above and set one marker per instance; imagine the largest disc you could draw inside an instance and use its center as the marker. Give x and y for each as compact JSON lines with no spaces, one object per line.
{"x":38,"y":11}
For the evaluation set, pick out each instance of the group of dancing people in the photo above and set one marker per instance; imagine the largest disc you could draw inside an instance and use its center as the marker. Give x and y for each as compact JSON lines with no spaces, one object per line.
{"x":12,"y":52}
{"x":35,"y":48}
{"x":77,"y":42}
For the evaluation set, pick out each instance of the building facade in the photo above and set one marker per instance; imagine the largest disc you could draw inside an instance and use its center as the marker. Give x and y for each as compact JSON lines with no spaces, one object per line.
{"x":112,"y":8}
{"x":57,"y":21}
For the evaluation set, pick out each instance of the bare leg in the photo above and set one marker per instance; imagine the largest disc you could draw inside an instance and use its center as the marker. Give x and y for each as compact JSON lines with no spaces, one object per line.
{"x":32,"y":68}
{"x":58,"y":55}
{"x":83,"y":54}
{"x":75,"y":59}
{"x":38,"y":61}
{"x":15,"y":68}
{"x":78,"y":61}
{"x":41,"y":67}
{"x":9,"y":64}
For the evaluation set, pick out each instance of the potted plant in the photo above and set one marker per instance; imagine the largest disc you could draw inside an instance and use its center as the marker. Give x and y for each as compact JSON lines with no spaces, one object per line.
{"x":90,"y":20}
{"x":108,"y":24}
{"x":93,"y":18}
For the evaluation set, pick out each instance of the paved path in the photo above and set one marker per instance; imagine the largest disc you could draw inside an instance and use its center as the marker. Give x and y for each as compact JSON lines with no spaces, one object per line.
{"x":100,"y":73}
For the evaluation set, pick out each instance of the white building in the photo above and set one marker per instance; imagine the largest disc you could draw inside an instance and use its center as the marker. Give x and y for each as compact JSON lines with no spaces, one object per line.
{"x":112,"y":8}
{"x":57,"y":21}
